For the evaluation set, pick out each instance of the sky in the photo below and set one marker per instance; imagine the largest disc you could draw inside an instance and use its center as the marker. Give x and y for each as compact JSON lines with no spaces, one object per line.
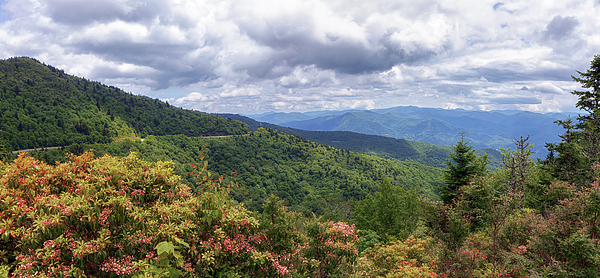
{"x":254,"y":56}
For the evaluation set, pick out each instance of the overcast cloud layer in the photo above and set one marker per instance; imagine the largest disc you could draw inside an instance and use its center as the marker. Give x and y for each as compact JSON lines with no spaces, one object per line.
{"x":252,"y":56}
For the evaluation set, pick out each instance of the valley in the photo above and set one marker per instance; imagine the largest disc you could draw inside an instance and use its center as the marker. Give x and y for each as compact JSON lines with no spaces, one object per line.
{"x":99,"y":182}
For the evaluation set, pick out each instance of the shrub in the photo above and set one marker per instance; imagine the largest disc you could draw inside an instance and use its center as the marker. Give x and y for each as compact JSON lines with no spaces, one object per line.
{"x":410,"y":258}
{"x":126,"y":217}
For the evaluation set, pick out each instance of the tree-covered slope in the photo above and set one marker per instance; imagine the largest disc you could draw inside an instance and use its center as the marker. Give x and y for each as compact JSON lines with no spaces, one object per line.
{"x":382,"y":146}
{"x":43,"y":106}
{"x":308,"y":176}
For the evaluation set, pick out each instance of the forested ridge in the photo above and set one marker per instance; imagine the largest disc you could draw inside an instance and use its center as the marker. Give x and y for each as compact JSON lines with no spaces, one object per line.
{"x":310,"y":177}
{"x":385,"y":147}
{"x":42,"y":106}
{"x":271,"y":204}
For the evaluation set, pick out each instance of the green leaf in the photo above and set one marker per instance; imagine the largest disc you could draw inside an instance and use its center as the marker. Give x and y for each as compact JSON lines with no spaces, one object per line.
{"x":174,"y":272}
{"x":180,"y":241}
{"x":165,"y":246}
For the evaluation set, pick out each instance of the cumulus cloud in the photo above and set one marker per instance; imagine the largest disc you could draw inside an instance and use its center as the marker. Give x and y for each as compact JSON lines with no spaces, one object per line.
{"x":259,"y":55}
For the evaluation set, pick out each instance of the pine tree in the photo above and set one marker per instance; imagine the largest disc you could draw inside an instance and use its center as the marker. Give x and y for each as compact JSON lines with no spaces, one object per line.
{"x":580,"y":145}
{"x":464,"y":166}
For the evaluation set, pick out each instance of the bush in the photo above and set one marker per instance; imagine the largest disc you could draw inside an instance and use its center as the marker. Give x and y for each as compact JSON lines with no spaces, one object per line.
{"x":411,"y":258}
{"x":123,"y":216}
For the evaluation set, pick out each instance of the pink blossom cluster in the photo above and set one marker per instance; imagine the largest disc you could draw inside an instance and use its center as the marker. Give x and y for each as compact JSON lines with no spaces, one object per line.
{"x":138,"y":192}
{"x":49,"y":222}
{"x":124,"y":266}
{"x":103,"y":218}
{"x":27,"y":260}
{"x":123,"y":190}
{"x":140,"y":238}
{"x":22,"y":205}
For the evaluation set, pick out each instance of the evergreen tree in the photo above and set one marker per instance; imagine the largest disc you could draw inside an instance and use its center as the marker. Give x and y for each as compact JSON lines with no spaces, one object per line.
{"x":464,"y":166}
{"x":579,"y":148}
{"x":589,"y":101}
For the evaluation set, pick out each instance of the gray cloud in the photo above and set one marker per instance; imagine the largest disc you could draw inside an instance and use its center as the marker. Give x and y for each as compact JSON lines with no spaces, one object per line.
{"x":245,"y":55}
{"x":341,"y":55}
{"x":560,"y":27}
{"x":75,"y":12}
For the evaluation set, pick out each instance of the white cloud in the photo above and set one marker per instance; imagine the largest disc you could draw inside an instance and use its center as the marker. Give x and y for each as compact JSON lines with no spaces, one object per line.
{"x":239,"y":92}
{"x":246,"y":55}
{"x":549,"y":88}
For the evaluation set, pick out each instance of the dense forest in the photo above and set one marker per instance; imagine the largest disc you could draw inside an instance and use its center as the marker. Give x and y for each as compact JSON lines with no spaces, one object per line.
{"x":272,"y":204}
{"x":42,"y":106}
{"x":310,"y":177}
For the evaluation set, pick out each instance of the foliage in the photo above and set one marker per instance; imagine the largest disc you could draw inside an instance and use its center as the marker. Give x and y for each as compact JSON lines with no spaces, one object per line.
{"x":566,"y":241}
{"x":308,"y":176}
{"x":413,"y":257}
{"x":579,"y":148}
{"x":390,"y":212}
{"x":565,"y":160}
{"x":464,"y":166}
{"x":5,"y":154}
{"x":123,"y":216}
{"x":331,"y":248}
{"x":489,"y":231}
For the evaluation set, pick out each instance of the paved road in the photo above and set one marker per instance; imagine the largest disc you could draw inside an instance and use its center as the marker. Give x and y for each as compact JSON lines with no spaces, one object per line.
{"x":50,"y":148}
{"x":36,"y":149}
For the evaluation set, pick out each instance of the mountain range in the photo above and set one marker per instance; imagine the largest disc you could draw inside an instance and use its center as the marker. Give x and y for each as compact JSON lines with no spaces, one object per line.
{"x":382,"y":146}
{"x":483,"y":129}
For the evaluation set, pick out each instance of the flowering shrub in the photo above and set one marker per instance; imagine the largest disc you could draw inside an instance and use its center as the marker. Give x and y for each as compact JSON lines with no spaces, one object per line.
{"x":410,"y":258}
{"x":567,"y":241}
{"x":330,"y":248}
{"x":127,"y":217}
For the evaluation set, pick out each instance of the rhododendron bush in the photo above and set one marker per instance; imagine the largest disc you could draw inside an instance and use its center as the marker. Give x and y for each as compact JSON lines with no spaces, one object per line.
{"x":410,"y":258}
{"x":127,"y":217}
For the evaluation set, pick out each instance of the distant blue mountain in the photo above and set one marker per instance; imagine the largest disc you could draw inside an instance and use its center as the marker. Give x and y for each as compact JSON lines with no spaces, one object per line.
{"x":484,"y":129}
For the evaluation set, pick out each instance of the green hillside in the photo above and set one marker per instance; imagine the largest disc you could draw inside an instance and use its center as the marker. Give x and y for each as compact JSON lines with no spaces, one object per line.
{"x":381,"y":146}
{"x":309,"y":176}
{"x":42,"y":106}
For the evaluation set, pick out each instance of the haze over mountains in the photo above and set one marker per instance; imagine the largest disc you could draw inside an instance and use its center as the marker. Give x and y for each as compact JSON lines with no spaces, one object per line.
{"x":484,"y":129}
